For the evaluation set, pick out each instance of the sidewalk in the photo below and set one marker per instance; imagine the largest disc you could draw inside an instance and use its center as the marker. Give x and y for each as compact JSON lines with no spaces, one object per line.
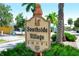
{"x":73,"y":44}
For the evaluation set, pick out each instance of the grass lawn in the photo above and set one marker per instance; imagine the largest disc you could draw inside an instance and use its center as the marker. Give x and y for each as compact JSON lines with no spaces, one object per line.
{"x":2,"y":41}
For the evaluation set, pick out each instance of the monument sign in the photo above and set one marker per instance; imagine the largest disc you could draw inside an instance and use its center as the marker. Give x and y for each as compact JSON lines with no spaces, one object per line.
{"x":37,"y":34}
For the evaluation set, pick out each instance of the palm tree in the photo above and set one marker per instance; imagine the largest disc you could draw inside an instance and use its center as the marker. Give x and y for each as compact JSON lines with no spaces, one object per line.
{"x":53,"y":18}
{"x":29,"y":6}
{"x":60,"y":28}
{"x":34,"y":7}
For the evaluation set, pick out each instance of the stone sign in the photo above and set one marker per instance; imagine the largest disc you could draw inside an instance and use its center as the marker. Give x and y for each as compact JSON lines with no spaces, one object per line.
{"x":37,"y":33}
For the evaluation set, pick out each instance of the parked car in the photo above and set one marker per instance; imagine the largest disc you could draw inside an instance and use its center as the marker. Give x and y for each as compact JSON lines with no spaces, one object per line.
{"x":77,"y":31}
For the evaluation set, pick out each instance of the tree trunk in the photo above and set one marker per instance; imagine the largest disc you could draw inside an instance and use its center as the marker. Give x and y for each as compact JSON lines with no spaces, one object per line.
{"x":60,"y":27}
{"x":70,"y":26}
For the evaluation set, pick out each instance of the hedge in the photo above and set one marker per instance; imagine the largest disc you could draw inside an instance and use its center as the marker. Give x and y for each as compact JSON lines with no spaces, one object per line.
{"x":69,"y":37}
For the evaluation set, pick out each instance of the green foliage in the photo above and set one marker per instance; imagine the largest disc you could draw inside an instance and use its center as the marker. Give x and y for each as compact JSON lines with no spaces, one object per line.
{"x":5,"y":15}
{"x":20,"y":21}
{"x":19,"y":50}
{"x":55,"y":50}
{"x":67,"y":28}
{"x":70,"y":22}
{"x":61,"y":50}
{"x":75,"y":28}
{"x":76,"y":23}
{"x":29,"y":6}
{"x":53,"y":18}
{"x":53,"y":37}
{"x":69,"y":37}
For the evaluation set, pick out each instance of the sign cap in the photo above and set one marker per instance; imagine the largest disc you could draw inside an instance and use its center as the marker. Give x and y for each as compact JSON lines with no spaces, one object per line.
{"x":37,"y":11}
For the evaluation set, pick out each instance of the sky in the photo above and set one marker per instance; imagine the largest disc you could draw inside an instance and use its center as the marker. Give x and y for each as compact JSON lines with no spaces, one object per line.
{"x":71,"y":10}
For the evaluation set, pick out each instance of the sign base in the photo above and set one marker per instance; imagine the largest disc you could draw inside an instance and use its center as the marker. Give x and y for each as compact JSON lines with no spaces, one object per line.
{"x":38,"y":53}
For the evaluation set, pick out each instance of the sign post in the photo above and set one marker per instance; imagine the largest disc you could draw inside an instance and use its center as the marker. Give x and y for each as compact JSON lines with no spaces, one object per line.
{"x":38,"y":53}
{"x":37,"y":32}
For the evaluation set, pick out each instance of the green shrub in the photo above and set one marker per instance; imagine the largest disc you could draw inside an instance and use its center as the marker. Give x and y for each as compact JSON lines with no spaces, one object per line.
{"x":53,"y":37}
{"x":61,"y":50}
{"x":55,"y":50}
{"x":67,"y":28}
{"x":76,"y":29}
{"x":69,"y":37}
{"x":19,"y":50}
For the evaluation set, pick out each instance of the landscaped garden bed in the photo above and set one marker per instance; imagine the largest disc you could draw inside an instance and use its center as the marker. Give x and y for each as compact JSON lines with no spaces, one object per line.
{"x":61,"y":50}
{"x":55,"y":50}
{"x":19,"y":50}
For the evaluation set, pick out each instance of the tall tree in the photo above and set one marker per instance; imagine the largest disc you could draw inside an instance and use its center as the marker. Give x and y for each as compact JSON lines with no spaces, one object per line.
{"x":5,"y":15}
{"x":60,"y":28}
{"x":76,"y":25}
{"x":20,"y":21}
{"x":70,"y":21}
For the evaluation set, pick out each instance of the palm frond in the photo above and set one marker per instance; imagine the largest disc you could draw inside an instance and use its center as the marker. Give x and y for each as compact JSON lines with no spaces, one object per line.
{"x":23,"y":4}
{"x":28,"y":7}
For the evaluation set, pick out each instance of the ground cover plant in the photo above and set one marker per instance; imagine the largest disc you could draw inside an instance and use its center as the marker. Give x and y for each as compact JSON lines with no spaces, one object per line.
{"x":61,"y":50}
{"x":55,"y":50}
{"x":19,"y":50}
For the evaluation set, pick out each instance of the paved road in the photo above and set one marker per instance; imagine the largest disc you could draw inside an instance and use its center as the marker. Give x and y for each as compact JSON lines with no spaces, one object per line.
{"x":13,"y":40}
{"x":73,"y":32}
{"x":10,"y":37}
{"x":7,"y":45}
